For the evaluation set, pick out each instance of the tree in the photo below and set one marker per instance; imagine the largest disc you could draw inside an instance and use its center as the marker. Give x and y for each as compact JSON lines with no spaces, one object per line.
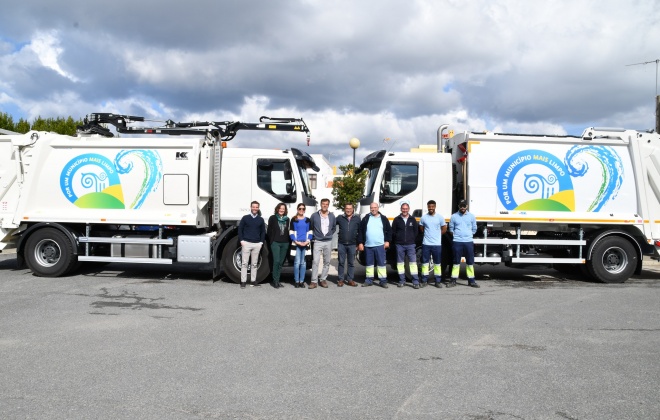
{"x":349,"y":188}
{"x":58,"y":125}
{"x":22,"y":126}
{"x":6,"y":121}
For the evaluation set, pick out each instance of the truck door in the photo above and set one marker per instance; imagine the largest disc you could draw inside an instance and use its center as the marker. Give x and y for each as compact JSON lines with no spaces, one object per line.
{"x":400,"y":184}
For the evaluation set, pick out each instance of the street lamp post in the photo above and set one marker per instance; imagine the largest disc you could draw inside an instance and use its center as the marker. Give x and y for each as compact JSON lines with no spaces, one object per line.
{"x":354,"y":143}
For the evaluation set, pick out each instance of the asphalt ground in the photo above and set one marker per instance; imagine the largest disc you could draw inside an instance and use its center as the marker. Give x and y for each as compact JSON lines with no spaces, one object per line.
{"x":145,"y":342}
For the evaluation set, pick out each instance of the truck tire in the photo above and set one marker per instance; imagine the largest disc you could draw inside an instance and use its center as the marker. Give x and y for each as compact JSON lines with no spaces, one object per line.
{"x":613,"y":260}
{"x":231,"y":261}
{"x":49,"y":253}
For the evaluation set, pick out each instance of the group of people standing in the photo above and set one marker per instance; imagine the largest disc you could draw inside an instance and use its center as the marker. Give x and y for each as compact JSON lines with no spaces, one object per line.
{"x":371,"y":234}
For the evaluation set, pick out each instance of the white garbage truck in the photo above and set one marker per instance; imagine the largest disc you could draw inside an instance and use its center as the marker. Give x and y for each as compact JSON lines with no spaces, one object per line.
{"x":588,"y":203}
{"x":149,"y":195}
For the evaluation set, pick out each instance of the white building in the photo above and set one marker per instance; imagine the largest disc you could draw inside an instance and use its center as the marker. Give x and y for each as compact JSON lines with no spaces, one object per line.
{"x":321,"y":181}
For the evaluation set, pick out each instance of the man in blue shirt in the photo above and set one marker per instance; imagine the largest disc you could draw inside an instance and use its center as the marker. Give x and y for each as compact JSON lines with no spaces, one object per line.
{"x":433,"y":226}
{"x":374,"y":236}
{"x":463,"y":225}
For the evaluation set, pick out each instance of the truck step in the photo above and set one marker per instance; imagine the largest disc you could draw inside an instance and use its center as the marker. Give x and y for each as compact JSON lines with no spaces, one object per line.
{"x":127,"y":260}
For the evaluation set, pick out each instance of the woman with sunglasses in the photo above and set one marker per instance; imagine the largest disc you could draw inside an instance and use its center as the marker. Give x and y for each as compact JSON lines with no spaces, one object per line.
{"x":300,"y":233}
{"x":278,"y":237}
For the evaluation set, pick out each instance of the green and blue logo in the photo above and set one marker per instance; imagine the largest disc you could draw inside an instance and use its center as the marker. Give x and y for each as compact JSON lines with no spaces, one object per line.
{"x":93,"y":181}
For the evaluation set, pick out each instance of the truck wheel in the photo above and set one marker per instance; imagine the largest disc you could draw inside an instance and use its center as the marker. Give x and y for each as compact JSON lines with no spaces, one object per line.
{"x":49,"y":253}
{"x":613,"y":260}
{"x":231,"y":262}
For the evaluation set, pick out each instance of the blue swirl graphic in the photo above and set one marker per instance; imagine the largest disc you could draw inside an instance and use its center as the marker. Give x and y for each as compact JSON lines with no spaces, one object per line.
{"x":611,"y":166}
{"x":153,"y":169}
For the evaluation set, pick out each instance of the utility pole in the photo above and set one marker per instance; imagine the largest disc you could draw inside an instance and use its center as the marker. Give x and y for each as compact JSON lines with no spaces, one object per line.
{"x":657,"y":98}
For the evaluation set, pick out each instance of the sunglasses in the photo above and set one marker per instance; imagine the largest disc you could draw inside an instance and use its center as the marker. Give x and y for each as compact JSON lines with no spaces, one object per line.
{"x":301,"y":208}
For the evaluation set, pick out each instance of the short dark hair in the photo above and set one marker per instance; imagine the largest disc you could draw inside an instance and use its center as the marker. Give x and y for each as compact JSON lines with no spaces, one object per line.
{"x":430,"y":202}
{"x":349,"y":204}
{"x":326,"y":200}
{"x":255,"y":202}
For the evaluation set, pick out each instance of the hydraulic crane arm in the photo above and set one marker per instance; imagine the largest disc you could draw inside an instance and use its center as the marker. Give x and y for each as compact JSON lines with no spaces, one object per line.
{"x":219,"y":130}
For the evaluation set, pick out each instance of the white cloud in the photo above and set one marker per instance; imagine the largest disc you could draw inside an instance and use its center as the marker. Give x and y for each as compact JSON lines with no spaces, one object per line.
{"x":46,"y":46}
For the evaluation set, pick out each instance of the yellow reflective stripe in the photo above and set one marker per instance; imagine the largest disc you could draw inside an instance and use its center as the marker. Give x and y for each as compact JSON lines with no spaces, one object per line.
{"x":401,"y":268}
{"x":425,"y":269}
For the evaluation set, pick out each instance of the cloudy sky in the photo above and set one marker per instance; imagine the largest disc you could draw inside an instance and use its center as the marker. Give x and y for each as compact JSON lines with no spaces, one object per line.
{"x":387,"y":72}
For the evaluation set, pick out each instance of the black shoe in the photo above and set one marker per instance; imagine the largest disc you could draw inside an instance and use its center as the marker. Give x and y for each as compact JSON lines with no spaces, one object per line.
{"x":383,"y":285}
{"x":295,"y":285}
{"x":451,"y":283}
{"x":400,"y":284}
{"x":242,"y":285}
{"x":367,"y":284}
{"x":416,"y":286}
{"x":254,"y":284}
{"x":438,"y":285}
{"x":302,"y":285}
{"x":423,"y":284}
{"x":474,"y":284}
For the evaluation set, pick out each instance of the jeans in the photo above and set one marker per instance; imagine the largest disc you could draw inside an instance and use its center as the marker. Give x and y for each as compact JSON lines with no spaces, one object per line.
{"x":250,"y":252}
{"x":321,"y":248}
{"x":375,"y":254}
{"x":279,"y":250}
{"x":346,"y":254}
{"x":299,"y":265}
{"x":434,"y":251}
{"x":401,"y":252}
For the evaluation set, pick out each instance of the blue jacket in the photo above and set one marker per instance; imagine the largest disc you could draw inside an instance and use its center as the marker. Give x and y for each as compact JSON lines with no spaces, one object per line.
{"x":348,"y":230}
{"x":404,"y":233}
